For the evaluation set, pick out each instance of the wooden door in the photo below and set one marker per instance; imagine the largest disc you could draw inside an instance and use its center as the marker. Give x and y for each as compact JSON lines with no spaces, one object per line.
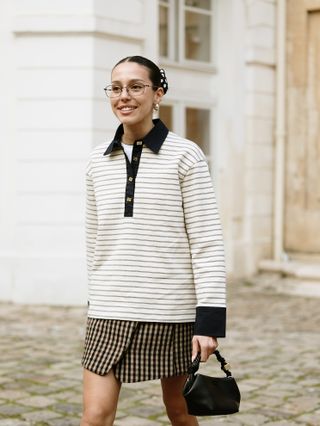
{"x":302,"y":191}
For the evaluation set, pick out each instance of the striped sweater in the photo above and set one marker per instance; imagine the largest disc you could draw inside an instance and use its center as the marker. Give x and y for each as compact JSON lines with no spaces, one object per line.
{"x":154,"y":242}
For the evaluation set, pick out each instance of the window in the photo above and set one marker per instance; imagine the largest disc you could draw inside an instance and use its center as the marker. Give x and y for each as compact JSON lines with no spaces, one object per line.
{"x":192,"y":123}
{"x":185,"y":30}
{"x":166,"y":116}
{"x":164,"y":28}
{"x":198,"y":128}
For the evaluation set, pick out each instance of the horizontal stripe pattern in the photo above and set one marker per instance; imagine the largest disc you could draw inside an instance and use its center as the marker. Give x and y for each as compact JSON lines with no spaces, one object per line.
{"x":168,"y":258}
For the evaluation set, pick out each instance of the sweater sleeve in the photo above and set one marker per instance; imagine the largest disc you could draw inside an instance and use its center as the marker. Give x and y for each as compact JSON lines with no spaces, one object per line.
{"x":91,"y":221}
{"x":207,"y":252}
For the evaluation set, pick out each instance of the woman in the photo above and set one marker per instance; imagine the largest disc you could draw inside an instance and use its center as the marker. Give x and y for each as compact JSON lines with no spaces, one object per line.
{"x":155,"y":253}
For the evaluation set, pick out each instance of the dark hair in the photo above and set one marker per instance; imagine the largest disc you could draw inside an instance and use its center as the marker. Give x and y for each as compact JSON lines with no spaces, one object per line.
{"x":157,"y":75}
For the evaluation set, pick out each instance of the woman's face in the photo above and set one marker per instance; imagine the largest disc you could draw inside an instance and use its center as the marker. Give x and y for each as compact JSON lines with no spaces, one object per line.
{"x":134,"y":110}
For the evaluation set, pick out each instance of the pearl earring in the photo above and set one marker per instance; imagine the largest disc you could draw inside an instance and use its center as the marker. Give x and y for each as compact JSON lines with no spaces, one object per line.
{"x":156,"y":107}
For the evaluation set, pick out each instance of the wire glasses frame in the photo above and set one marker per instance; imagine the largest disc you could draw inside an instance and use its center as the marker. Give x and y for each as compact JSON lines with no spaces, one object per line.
{"x":134,"y":89}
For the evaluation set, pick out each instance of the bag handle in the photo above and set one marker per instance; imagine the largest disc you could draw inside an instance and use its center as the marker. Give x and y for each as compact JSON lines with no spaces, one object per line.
{"x":225,"y":367}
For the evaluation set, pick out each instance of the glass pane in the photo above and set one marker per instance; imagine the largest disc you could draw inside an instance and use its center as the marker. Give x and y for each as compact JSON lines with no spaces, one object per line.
{"x":163,"y":31}
{"x":165,"y":114}
{"x":202,"y":4}
{"x":198,"y":125}
{"x":197,"y":37}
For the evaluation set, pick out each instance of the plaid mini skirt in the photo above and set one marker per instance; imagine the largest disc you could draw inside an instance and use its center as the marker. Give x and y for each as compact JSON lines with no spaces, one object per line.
{"x":137,"y":351}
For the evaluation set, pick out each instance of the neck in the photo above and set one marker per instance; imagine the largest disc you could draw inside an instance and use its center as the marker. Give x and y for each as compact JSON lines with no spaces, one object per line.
{"x":133,"y":133}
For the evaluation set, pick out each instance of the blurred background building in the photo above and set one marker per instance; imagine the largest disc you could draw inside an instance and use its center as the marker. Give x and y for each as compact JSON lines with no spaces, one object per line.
{"x":244,"y":84}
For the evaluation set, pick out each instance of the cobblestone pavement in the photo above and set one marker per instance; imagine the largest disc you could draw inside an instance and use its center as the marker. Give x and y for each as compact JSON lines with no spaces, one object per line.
{"x":272,"y":345}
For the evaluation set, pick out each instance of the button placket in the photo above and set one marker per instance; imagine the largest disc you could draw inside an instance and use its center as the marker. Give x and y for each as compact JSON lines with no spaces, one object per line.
{"x":132,"y":170}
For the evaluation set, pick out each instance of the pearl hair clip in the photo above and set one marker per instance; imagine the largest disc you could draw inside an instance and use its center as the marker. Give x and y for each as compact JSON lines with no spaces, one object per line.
{"x":163,"y":80}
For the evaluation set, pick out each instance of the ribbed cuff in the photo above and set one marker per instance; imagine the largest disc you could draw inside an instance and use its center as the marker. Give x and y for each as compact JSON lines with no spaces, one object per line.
{"x":210,"y":321}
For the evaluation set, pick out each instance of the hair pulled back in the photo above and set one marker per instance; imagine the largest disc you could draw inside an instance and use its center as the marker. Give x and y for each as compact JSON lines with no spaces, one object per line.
{"x":157,"y":75}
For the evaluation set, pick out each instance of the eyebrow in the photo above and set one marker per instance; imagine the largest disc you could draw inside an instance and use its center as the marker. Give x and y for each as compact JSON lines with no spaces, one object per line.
{"x":134,"y":80}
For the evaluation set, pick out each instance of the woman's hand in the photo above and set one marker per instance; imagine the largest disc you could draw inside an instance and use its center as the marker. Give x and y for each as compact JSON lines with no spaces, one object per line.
{"x":204,"y":344}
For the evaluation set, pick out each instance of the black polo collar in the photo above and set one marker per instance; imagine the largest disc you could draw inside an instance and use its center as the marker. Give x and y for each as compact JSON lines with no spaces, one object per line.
{"x":153,"y":140}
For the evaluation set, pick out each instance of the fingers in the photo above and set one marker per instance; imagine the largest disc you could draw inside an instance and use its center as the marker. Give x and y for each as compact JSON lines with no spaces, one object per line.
{"x":204,"y":344}
{"x":195,"y":347}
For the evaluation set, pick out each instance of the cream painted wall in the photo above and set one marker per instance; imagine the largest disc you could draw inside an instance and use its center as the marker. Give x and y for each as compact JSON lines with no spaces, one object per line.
{"x":59,"y":56}
{"x":7,"y":151}
{"x":260,"y":54}
{"x":244,"y":143}
{"x":63,"y":52}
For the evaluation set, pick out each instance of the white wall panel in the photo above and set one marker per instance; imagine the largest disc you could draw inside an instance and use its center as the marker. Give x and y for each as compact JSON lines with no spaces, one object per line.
{"x":56,"y":7}
{"x":102,"y":137}
{"x":54,"y":51}
{"x":39,"y":83}
{"x":260,"y":104}
{"x":260,"y":180}
{"x":55,"y":144}
{"x":48,"y":208}
{"x":260,"y":79}
{"x":54,"y":113}
{"x":50,"y":280}
{"x":259,"y":130}
{"x":261,"y":36}
{"x":49,"y":7}
{"x":121,"y":10}
{"x":261,"y":13}
{"x":260,"y":156}
{"x":258,"y":205}
{"x":51,"y":176}
{"x":7,"y":149}
{"x":62,"y":239}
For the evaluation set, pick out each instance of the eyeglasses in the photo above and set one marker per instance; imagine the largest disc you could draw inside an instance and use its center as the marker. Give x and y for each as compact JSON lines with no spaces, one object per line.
{"x":134,"y":89}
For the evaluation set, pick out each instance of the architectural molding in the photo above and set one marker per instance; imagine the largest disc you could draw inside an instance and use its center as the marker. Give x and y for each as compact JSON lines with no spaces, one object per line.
{"x":98,"y":26}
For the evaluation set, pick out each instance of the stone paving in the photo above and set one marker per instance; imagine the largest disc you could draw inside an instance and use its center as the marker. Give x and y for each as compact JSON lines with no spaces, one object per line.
{"x":272,"y":345}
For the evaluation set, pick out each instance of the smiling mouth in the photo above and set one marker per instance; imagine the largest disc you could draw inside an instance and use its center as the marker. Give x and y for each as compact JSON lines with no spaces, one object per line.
{"x":127,"y":108}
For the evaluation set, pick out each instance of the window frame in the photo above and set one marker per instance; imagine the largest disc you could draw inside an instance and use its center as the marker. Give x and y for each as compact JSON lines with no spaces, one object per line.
{"x":176,"y":36}
{"x":179,"y":114}
{"x":171,"y":48}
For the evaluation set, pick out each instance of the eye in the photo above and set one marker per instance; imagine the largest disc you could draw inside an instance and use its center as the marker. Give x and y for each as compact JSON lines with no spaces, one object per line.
{"x":116,"y":89}
{"x":136,"y":87}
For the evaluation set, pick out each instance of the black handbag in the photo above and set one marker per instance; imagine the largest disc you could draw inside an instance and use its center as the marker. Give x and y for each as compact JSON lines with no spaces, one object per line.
{"x":211,"y":396}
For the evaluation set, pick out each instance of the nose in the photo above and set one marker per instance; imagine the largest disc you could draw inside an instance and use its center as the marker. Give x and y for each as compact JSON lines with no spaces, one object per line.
{"x":124,"y":93}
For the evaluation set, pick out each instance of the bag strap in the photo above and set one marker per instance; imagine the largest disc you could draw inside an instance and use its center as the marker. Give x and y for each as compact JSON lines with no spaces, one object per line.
{"x":225,"y":367}
{"x":194,"y":366}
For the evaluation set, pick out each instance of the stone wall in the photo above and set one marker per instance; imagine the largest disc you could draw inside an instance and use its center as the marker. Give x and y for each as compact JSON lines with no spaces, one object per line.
{"x":260,"y":122}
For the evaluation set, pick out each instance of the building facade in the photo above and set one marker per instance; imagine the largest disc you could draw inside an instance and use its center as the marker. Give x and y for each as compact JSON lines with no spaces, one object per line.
{"x":226,"y":65}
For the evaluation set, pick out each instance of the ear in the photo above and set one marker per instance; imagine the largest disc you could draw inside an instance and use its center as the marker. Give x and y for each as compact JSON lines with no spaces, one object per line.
{"x":158,"y":95}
